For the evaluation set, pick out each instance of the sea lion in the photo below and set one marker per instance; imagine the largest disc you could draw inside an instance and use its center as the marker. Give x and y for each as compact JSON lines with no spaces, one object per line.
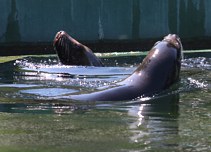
{"x":158,"y":71}
{"x":71,"y":52}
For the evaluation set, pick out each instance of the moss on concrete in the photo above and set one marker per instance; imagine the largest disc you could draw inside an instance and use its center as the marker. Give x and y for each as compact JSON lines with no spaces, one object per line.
{"x":10,"y":58}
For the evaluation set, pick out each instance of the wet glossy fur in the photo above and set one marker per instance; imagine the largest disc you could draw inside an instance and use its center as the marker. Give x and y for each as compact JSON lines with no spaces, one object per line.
{"x":71,"y":52}
{"x":158,"y":71}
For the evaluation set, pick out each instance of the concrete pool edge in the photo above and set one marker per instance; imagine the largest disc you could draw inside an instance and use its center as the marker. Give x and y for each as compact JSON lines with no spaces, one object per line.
{"x":101,"y":46}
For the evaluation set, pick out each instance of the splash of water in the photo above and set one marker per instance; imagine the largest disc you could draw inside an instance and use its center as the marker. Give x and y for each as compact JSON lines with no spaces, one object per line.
{"x":199,"y":62}
{"x":196,"y":83}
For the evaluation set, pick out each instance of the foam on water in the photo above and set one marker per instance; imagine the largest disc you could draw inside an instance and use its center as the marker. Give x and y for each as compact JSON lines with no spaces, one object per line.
{"x":199,"y":62}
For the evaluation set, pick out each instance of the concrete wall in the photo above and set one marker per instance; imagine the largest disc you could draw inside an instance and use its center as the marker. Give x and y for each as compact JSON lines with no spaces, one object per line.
{"x":39,"y":20}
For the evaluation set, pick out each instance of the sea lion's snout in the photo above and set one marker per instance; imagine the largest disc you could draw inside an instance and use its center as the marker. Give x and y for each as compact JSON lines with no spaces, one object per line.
{"x":58,"y":36}
{"x":174,"y":40}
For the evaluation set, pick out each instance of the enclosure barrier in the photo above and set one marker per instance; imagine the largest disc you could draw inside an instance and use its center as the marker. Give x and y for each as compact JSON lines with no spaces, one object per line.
{"x":29,"y":26}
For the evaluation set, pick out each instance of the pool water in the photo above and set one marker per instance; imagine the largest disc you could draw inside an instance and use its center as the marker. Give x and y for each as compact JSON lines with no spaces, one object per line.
{"x":36,"y":113}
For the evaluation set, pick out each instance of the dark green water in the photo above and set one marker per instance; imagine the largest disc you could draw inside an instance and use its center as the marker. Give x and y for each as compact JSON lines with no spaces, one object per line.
{"x":36,"y":114}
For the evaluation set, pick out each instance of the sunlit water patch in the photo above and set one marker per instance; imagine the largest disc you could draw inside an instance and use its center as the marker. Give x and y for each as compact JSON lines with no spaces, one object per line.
{"x":48,"y":92}
{"x":18,"y":85}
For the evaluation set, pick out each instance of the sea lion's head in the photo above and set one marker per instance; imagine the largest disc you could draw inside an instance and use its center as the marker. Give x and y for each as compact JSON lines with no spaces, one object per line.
{"x":61,"y":37}
{"x":68,"y":49}
{"x":175,"y":41}
{"x":163,"y":62}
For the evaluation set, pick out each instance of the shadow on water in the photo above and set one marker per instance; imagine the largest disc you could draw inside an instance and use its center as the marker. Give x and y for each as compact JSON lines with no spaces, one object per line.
{"x":7,"y":70}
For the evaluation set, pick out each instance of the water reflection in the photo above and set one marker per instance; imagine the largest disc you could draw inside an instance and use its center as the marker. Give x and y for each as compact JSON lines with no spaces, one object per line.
{"x":44,"y":108}
{"x":157,"y":121}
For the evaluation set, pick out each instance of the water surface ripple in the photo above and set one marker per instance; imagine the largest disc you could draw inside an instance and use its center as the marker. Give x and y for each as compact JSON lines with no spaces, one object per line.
{"x":36,"y":114}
